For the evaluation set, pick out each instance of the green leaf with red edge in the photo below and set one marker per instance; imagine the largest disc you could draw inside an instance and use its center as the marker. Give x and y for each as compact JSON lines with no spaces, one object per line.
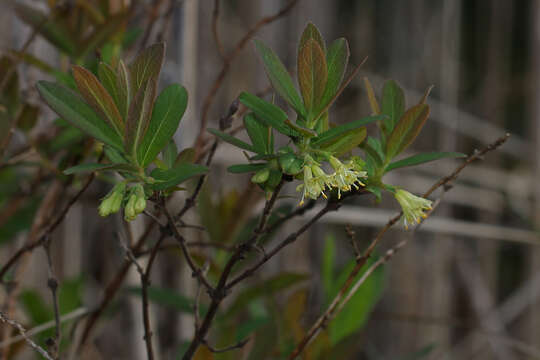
{"x":279,"y":77}
{"x":124,"y":89}
{"x":312,"y":74}
{"x":422,"y":159}
{"x":109,"y":79}
{"x":406,"y":130}
{"x":311,"y":33}
{"x":167,"y":112}
{"x":98,"y":97}
{"x":147,"y":65}
{"x":346,"y":142}
{"x":138,"y":118}
{"x":392,"y":105}
{"x":71,"y":107}
{"x":337,"y":59}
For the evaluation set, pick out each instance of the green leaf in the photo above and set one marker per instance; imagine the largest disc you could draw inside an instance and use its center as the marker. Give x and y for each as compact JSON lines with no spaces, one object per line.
{"x":264,"y":288}
{"x":245,"y":168}
{"x":338,"y":131}
{"x":172,"y":177}
{"x":165,"y":297}
{"x":124,"y":89}
{"x":138,"y":118}
{"x":114,"y":155}
{"x":393,"y":105}
{"x":312,"y":74}
{"x":406,"y":130}
{"x":337,"y":60}
{"x":186,"y":155}
{"x":98,"y":98}
{"x":91,"y":167}
{"x":169,"y":154}
{"x":46,"y":25}
{"x":423,"y":158}
{"x":72,"y":108}
{"x":356,"y":313}
{"x":269,"y":113}
{"x":147,"y":65}
{"x":311,"y":33}
{"x":257,"y":132}
{"x":279,"y":77}
{"x":371,"y":149}
{"x":232,"y":140}
{"x":168,"y":109}
{"x":109,"y":79}
{"x":347,"y":142}
{"x":308,"y":133}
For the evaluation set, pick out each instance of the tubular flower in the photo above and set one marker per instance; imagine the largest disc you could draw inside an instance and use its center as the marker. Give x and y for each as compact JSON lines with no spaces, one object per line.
{"x":313,"y":186}
{"x":113,"y":201}
{"x":413,"y":207}
{"x":346,"y":175}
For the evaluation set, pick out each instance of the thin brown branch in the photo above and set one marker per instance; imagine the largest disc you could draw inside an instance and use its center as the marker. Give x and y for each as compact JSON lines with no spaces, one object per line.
{"x":227,"y":61}
{"x":215,"y":18}
{"x":48,"y":230}
{"x":52,"y":284}
{"x":238,"y":345}
{"x":144,"y":275}
{"x":194,"y":244}
{"x":361,"y":261}
{"x":196,"y":271}
{"x":220,"y":292}
{"x":22,"y":331}
{"x":330,"y":206}
{"x":112,"y":288}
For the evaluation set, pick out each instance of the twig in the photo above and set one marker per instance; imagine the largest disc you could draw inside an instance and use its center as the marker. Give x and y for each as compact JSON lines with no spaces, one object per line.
{"x":52,"y":284}
{"x":209,"y":99}
{"x":361,"y":261}
{"x":238,"y":345}
{"x":75,"y":314}
{"x":196,"y":271}
{"x":195,"y":244}
{"x":224,"y":123}
{"x":330,"y":206}
{"x":215,"y":17}
{"x":351,"y":234}
{"x":112,"y":288}
{"x":22,"y":331}
{"x":48,"y":230}
{"x":145,"y":283}
{"x":220,"y":292}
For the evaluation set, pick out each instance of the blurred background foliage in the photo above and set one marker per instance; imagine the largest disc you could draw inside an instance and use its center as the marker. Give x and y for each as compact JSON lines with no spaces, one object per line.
{"x":467,"y":287}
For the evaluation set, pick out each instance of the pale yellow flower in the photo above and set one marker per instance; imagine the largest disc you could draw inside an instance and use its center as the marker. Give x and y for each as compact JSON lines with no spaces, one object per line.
{"x":346,"y":175}
{"x":413,"y":207}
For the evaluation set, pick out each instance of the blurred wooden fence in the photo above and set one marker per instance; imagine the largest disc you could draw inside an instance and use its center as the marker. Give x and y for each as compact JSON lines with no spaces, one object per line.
{"x":450,"y":287}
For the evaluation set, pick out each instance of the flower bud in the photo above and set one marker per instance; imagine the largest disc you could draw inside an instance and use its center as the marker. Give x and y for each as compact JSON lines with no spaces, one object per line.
{"x":261,"y":176}
{"x":140,"y":205}
{"x":129,"y":210}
